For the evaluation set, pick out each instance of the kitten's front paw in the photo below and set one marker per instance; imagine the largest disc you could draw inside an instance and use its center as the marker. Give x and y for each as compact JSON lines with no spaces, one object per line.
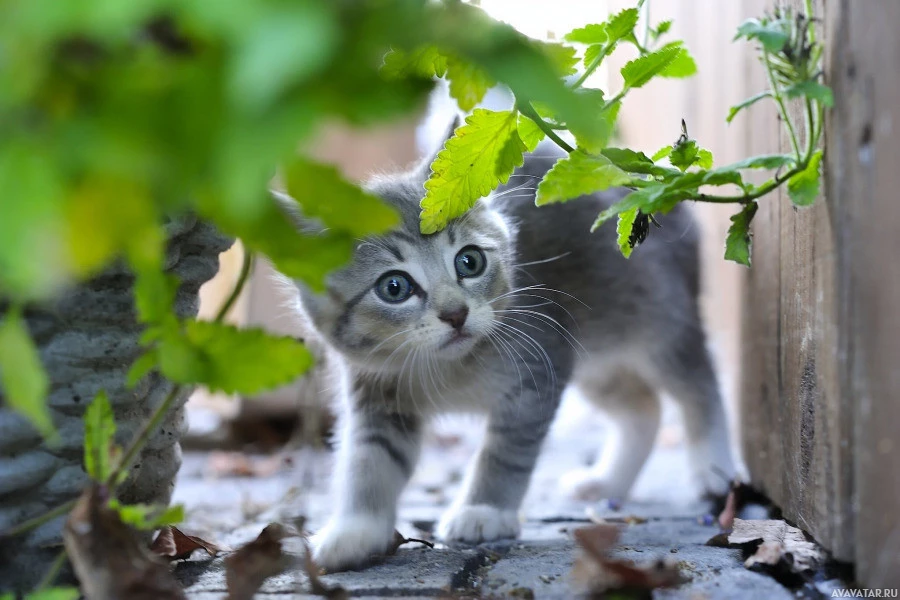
{"x":478,"y":523}
{"x":351,"y":542}
{"x":586,"y":485}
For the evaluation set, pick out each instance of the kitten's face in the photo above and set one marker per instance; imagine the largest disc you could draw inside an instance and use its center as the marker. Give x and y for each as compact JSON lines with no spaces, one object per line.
{"x":407,"y":297}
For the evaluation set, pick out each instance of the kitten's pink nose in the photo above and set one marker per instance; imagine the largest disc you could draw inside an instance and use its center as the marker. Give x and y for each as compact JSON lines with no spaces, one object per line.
{"x":456,"y":318}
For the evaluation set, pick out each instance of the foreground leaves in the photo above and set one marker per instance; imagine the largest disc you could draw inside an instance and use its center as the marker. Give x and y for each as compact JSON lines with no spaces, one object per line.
{"x":250,"y":565}
{"x":109,"y":558}
{"x":481,"y":155}
{"x":99,"y":432}
{"x":803,"y":188}
{"x":174,"y":544}
{"x":738,"y":241}
{"x":778,"y":539}
{"x":57,"y":593}
{"x":24,"y":381}
{"x":579,"y":174}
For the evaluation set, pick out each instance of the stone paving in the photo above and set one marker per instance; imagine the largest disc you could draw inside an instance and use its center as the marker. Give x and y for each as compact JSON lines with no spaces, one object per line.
{"x":232,"y":511}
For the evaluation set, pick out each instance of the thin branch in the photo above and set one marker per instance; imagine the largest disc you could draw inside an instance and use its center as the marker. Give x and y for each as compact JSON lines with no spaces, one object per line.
{"x":26,"y":526}
{"x":776,"y":95}
{"x":53,"y":572}
{"x":528,"y":110}
{"x":246,"y":266}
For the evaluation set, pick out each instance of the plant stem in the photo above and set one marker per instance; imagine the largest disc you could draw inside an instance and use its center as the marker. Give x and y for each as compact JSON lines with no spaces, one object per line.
{"x":528,"y":110}
{"x":53,"y":572}
{"x":758,"y":193}
{"x":643,"y":49}
{"x":246,"y":265}
{"x":592,"y":67}
{"x":39,"y":520}
{"x":776,"y":94}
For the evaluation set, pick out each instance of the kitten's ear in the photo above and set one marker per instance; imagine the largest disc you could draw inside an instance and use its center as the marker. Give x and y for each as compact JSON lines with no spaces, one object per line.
{"x":423,"y":170}
{"x":291,"y":208}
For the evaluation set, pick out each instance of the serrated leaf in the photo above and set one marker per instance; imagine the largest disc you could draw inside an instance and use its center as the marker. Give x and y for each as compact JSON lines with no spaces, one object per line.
{"x":734,"y":110}
{"x":685,"y":155}
{"x":621,"y":24}
{"x":473,"y":162}
{"x":639,"y":71}
{"x":24,"y":381}
{"x":662,"y":28}
{"x":235,"y":361}
{"x":812,"y":90}
{"x":154,"y":296}
{"x":765,"y":161}
{"x":605,"y":116}
{"x":803,"y":188}
{"x":427,"y":61}
{"x":683,"y":65}
{"x":634,"y":162}
{"x":772,"y":35}
{"x":661,"y":153}
{"x":577,"y":175}
{"x":324,"y":194}
{"x":592,"y":53}
{"x":623,"y":231}
{"x":148,"y":517}
{"x":705,"y":159}
{"x":589,"y":34}
{"x":562,"y":56}
{"x":99,"y":437}
{"x":529,"y":132}
{"x":468,"y":83}
{"x":57,"y":593}
{"x":738,"y":243}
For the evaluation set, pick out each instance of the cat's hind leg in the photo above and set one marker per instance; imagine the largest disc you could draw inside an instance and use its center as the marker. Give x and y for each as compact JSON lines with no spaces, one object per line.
{"x":633,"y":408}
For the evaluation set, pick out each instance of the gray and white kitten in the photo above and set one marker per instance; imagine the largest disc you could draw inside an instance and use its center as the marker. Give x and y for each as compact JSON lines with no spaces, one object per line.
{"x":497,"y":314}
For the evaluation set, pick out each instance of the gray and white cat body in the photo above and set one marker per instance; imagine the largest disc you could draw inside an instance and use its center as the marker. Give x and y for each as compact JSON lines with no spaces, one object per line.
{"x":497,"y":314}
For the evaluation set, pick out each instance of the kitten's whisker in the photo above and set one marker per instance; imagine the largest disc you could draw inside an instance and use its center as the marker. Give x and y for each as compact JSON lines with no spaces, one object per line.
{"x":524,"y":362}
{"x":534,"y":344}
{"x":543,"y":261}
{"x":566,"y":334}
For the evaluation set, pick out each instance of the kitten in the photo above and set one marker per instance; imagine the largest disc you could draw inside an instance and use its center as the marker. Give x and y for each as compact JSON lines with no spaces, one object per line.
{"x":497,"y":314}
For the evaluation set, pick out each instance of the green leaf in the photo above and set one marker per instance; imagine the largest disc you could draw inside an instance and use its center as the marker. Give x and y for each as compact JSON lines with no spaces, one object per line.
{"x":644,"y":68}
{"x":685,"y":155}
{"x":140,"y":368}
{"x":235,"y":361}
{"x":738,"y":243}
{"x":426,"y":62}
{"x":468,"y":83}
{"x":589,"y":34}
{"x":634,"y":162}
{"x":705,"y":159}
{"x":661,"y":153}
{"x":57,"y":593}
{"x":148,"y":517}
{"x":154,"y":296}
{"x":99,"y":437}
{"x":592,"y":53}
{"x":734,"y":110}
{"x":324,"y":194}
{"x":623,"y":231}
{"x":529,"y":132}
{"x":481,"y":154}
{"x":683,"y":65}
{"x":577,"y":175}
{"x":812,"y":90}
{"x":604,"y":115}
{"x":764,"y":161}
{"x":662,"y":28}
{"x":621,"y":24}
{"x":803,"y":188}
{"x":25,"y":384}
{"x":772,"y":35}
{"x":562,"y":56}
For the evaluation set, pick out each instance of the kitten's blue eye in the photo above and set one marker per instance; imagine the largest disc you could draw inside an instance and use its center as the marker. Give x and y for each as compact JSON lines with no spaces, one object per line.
{"x":470,"y":262}
{"x":394,"y":287}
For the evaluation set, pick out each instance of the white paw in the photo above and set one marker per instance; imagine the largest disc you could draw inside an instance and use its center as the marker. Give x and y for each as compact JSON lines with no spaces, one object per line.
{"x":585,"y":485}
{"x":350,"y":542}
{"x":478,"y":523}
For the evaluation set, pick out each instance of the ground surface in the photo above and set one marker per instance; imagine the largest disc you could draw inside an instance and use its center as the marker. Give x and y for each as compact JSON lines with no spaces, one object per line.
{"x":233,"y":510}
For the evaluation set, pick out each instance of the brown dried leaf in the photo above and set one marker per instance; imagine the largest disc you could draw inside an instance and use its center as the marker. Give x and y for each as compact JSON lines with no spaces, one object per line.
{"x":399,"y":540}
{"x":316,"y":585}
{"x":109,"y":557}
{"x":251,"y":564}
{"x":174,"y":544}
{"x":599,"y":572}
{"x":778,"y":540}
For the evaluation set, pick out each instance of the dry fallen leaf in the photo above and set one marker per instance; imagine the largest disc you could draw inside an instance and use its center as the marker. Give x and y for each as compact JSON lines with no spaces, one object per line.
{"x":781,"y":545}
{"x":399,"y":540}
{"x":109,"y":557}
{"x":251,"y":564}
{"x":316,"y":585}
{"x":599,"y":573}
{"x":238,"y":464}
{"x":174,"y":544}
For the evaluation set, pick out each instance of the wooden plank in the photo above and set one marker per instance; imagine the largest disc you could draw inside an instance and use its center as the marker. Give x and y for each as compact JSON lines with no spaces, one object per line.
{"x":864,"y":176}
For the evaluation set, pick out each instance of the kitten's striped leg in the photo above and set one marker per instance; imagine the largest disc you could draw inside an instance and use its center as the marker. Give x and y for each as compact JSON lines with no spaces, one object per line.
{"x":377,"y":454}
{"x":488,"y":509}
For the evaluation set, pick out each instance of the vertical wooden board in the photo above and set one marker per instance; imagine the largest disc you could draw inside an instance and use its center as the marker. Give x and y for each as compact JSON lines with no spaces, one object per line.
{"x":865,"y":167}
